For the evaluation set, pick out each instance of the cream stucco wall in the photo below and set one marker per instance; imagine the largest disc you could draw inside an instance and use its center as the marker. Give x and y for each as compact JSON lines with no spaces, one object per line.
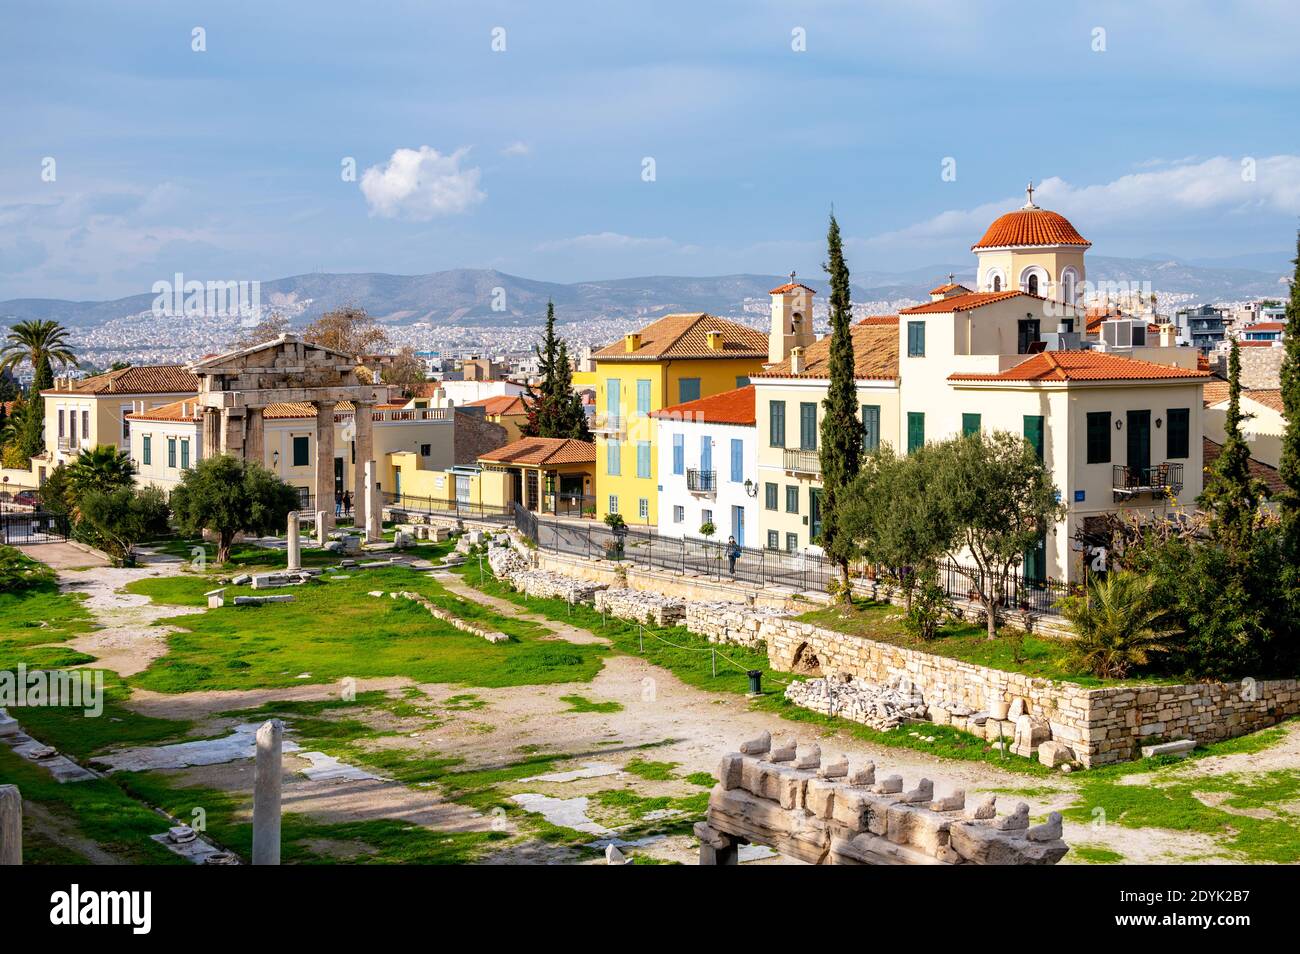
{"x":1263,"y":430}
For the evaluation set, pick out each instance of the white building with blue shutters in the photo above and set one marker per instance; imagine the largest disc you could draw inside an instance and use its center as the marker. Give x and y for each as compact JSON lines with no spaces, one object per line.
{"x":708,"y":468}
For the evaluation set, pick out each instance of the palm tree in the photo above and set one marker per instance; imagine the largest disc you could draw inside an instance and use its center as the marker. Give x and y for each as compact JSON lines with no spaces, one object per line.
{"x":43,"y":343}
{"x":100,"y":468}
{"x":1119,"y":626}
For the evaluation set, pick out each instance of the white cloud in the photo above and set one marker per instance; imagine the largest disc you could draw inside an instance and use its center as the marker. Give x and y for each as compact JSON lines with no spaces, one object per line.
{"x":614,"y":242}
{"x":1181,"y":189}
{"x":422,"y":184}
{"x":517,"y":149}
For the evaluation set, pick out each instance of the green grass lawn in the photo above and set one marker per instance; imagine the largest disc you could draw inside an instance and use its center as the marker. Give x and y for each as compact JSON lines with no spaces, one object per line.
{"x":41,"y":614}
{"x":334,"y":630}
{"x":1023,"y":653}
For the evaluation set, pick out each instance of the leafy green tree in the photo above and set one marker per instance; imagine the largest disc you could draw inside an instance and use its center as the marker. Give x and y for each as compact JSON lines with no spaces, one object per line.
{"x":1119,"y":625}
{"x":1231,"y":494}
{"x":227,"y":496}
{"x":116,"y":519}
{"x":894,"y":517}
{"x":840,"y":450}
{"x":56,"y":493}
{"x":1289,"y":464}
{"x":554,"y":409}
{"x":999,"y":500}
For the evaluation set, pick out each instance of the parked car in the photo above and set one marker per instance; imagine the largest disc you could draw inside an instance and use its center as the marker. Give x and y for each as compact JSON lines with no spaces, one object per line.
{"x":27,"y":498}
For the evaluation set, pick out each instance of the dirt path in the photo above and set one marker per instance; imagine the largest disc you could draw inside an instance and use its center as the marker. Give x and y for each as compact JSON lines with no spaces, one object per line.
{"x":573,"y":634}
{"x":61,"y":556}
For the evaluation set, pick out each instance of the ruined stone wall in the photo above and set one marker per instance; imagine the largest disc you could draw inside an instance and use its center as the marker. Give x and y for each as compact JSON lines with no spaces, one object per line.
{"x":1098,"y":725}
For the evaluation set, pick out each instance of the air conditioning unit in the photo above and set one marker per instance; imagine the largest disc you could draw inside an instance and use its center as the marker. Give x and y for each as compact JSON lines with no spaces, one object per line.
{"x":1117,"y":334}
{"x":1061,"y":341}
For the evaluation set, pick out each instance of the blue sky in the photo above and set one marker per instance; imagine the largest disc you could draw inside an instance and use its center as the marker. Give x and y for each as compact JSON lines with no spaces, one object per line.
{"x":226,"y":164}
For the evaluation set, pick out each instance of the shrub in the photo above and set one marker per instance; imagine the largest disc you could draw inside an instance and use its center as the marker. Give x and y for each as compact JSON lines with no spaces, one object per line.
{"x":18,"y":573}
{"x":1119,"y":625}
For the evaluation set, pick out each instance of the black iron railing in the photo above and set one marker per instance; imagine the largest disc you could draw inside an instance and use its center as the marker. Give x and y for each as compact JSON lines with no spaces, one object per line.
{"x":702,"y":481}
{"x":438,"y":506}
{"x":1156,"y":480}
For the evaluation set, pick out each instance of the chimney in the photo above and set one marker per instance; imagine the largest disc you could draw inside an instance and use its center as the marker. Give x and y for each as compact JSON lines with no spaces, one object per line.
{"x":715,"y":340}
{"x":631,"y":341}
{"x":796,"y":360}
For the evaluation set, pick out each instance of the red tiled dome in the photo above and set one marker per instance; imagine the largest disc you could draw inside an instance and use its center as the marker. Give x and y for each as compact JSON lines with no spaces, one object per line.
{"x":1031,"y":227}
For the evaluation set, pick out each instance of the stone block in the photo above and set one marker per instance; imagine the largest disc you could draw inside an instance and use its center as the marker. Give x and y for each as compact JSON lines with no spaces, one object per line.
{"x":731,"y":771}
{"x":1052,"y":753}
{"x":1182,"y":747}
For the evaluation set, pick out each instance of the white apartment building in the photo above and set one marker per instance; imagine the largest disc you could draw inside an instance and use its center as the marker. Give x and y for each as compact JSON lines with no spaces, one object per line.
{"x":707,"y":467}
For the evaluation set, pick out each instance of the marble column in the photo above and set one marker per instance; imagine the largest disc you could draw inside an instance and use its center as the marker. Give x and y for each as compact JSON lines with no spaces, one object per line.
{"x":374,"y":523}
{"x":211,"y":432}
{"x":11,"y":825}
{"x":325,"y":458}
{"x":294,"y":545}
{"x":255,"y":437}
{"x":266,"y":793}
{"x":364,"y":443}
{"x":232,"y":431}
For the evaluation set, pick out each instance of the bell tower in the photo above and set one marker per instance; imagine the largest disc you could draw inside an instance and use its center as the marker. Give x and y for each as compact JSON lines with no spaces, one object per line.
{"x":792,"y":320}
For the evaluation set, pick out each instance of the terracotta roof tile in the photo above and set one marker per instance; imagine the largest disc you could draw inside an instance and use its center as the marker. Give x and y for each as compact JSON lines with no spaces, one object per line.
{"x":1215,"y":390}
{"x":965,"y":302}
{"x":1084,"y":366}
{"x":875,"y":356}
{"x":686,"y":336}
{"x":501,"y":404}
{"x":175,"y":411}
{"x":1031,"y":227}
{"x":1261,"y":471}
{"x":1266,"y":326}
{"x":1269,"y":397}
{"x":141,"y":379}
{"x":729,"y":407}
{"x":543,"y":450}
{"x":790,"y":286}
{"x":874,"y":320}
{"x":950,"y":286}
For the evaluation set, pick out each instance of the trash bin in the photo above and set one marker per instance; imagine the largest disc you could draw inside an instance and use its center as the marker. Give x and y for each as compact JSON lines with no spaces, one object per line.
{"x":755,"y":682}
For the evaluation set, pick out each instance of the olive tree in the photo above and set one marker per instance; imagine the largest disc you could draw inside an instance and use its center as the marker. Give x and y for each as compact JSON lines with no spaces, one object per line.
{"x":229,"y":496}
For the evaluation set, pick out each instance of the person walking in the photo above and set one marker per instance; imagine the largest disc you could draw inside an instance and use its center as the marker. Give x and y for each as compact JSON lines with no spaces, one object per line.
{"x":347,"y":503}
{"x":733,"y":554}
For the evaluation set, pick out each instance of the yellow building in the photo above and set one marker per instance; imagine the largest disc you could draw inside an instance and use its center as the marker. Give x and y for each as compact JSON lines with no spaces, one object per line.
{"x":676,"y":359}
{"x":96,"y":410}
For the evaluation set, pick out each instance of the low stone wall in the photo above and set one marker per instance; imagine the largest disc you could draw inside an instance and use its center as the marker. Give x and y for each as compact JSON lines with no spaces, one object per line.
{"x":464,"y":625}
{"x":1098,"y":725}
{"x":641,"y":606}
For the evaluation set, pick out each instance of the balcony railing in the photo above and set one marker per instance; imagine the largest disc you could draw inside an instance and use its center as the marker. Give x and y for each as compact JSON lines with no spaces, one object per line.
{"x":1157,"y":480}
{"x":400,"y":414}
{"x":609,"y":424}
{"x":702,"y":481}
{"x":803,"y":462}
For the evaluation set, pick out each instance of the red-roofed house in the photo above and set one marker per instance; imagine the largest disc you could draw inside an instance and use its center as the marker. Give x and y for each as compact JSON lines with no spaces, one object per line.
{"x":707,"y":458}
{"x":508,"y":410}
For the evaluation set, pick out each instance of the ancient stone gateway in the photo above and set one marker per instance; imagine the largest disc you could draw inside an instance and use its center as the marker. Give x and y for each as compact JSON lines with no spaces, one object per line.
{"x":236,"y":388}
{"x":783,"y":796}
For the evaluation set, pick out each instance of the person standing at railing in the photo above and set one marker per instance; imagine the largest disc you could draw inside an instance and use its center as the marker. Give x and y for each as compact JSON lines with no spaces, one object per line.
{"x":733,"y":554}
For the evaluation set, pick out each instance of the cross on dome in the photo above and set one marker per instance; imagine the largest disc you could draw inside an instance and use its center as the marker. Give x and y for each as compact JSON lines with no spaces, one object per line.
{"x":1029,"y":191}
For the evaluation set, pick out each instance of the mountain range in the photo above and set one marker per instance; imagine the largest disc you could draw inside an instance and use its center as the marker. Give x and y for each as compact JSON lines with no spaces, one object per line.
{"x":468,"y":297}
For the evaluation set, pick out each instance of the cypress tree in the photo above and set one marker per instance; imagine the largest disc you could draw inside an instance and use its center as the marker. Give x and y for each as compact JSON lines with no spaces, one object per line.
{"x":841,"y":432}
{"x":1230,"y":490}
{"x":1289,"y":464}
{"x":554,"y":410}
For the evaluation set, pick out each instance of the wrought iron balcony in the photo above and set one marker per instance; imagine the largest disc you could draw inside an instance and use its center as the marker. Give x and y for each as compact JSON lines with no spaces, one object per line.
{"x":803,"y":462}
{"x":702,"y":481}
{"x":1157,"y":480}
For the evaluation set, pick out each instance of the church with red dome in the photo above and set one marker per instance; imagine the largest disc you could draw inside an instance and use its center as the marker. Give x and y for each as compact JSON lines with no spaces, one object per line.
{"x":1033,"y":250}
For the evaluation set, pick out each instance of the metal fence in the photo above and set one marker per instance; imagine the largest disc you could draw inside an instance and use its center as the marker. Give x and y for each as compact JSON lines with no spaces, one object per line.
{"x":802,"y":572}
{"x":18,"y":529}
{"x":438,"y":507}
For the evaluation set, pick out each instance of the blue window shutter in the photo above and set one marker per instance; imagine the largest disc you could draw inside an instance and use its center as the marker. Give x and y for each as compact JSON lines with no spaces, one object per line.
{"x":679,"y":454}
{"x":706,"y":454}
{"x":737,"y":461}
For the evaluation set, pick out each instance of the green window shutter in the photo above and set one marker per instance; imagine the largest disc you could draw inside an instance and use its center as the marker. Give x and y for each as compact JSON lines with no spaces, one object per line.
{"x":776,"y":423}
{"x":300,"y":452}
{"x":1179,"y":439}
{"x":688,"y":389}
{"x":916,"y":339}
{"x":146,"y":448}
{"x":814,"y":514}
{"x":770,"y":496}
{"x":870,"y":427}
{"x":1099,"y":437}
{"x":915,"y":431}
{"x":185,"y":455}
{"x":808,"y":426}
{"x":171,"y":452}
{"x":970,"y":424}
{"x":1034,"y":433}
{"x":791,"y":499}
